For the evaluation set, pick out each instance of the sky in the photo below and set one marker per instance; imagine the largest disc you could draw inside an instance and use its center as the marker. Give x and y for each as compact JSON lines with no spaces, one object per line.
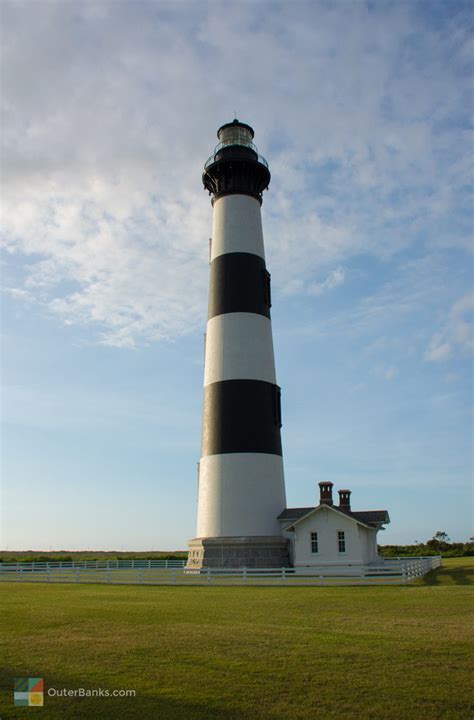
{"x":110,"y":109}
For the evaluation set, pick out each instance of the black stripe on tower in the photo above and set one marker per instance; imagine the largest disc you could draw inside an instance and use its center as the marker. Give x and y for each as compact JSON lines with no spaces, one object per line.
{"x":239,"y":282}
{"x":241,"y":416}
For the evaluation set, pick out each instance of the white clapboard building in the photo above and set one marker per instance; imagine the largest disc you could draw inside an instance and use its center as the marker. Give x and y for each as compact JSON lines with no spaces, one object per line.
{"x":329,"y":534}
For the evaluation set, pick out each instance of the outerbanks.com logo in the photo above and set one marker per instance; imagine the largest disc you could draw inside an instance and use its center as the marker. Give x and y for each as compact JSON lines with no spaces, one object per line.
{"x":30,"y":692}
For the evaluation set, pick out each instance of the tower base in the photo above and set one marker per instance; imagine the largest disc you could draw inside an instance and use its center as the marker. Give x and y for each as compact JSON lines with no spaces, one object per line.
{"x":238,"y":552}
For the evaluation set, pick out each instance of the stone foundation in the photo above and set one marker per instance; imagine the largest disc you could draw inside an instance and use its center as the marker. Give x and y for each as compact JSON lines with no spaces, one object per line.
{"x":238,"y":552}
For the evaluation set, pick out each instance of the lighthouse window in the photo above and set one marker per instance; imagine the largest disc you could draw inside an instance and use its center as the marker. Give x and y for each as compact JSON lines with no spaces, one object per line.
{"x":277,"y":403}
{"x":341,"y":541}
{"x":314,"y":542}
{"x":235,"y":135}
{"x":267,"y":287}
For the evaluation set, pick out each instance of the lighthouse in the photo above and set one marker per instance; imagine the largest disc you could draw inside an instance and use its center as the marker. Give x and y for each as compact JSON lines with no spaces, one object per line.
{"x":241,"y":487}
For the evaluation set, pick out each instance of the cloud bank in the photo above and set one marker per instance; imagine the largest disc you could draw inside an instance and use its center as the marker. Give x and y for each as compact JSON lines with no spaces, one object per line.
{"x":110,"y":111}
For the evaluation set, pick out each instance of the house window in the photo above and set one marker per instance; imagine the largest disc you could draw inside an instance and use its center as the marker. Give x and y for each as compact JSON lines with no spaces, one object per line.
{"x":314,"y":542}
{"x":341,"y":541}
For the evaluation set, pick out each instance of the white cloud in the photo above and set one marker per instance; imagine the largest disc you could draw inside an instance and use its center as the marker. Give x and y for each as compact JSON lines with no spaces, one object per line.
{"x":361,"y":386}
{"x":390,"y":372}
{"x":104,"y":144}
{"x":438,"y":349}
{"x":334,"y":279}
{"x":457,"y":334}
{"x":387,"y":372}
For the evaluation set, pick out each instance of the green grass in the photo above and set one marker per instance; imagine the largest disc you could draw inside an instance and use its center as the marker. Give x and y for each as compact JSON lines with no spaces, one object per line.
{"x":454,"y":571}
{"x":244,"y":653}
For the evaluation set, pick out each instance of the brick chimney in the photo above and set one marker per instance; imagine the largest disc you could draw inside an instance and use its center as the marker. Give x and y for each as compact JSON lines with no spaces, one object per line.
{"x":344,"y":500}
{"x":325,"y":496}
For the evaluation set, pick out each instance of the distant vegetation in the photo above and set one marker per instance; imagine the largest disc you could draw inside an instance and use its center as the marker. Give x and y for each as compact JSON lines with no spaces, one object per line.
{"x":440,"y":544}
{"x":68,"y":555}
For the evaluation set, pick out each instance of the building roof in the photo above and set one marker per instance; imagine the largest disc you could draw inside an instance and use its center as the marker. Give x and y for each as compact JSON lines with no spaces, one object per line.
{"x":368,"y":517}
{"x":294,"y":513}
{"x":375,"y":517}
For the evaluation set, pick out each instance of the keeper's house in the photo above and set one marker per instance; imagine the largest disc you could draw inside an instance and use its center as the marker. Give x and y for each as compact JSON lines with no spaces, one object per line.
{"x":330,"y":535}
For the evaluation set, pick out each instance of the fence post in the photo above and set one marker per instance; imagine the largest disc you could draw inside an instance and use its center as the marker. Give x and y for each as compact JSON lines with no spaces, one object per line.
{"x":208,"y":576}
{"x":283,"y":574}
{"x":244,"y":576}
{"x":173,"y":576}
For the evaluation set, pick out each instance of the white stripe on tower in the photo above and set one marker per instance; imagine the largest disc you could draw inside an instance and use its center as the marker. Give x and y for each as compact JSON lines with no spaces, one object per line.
{"x":241,"y":481}
{"x":230,"y":357}
{"x":237,"y":226}
{"x":240,"y":494}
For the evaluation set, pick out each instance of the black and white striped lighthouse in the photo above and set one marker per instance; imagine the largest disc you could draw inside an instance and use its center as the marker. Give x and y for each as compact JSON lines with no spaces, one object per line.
{"x":241,"y":488}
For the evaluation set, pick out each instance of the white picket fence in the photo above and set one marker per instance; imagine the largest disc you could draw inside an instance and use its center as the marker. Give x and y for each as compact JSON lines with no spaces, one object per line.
{"x":393,"y":571}
{"x":125,"y":563}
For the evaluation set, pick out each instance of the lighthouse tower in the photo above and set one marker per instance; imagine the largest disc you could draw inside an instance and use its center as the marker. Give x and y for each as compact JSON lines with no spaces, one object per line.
{"x":241,"y":488}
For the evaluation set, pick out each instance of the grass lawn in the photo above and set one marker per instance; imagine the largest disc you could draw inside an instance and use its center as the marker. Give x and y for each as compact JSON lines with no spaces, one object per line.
{"x":199,"y":653}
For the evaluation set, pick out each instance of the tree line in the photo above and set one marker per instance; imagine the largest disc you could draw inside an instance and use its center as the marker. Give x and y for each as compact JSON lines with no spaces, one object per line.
{"x":439,"y":544}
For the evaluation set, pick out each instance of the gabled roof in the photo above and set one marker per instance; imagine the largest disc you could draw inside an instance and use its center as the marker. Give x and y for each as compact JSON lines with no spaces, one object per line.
{"x":294,"y":513}
{"x":370,"y":518}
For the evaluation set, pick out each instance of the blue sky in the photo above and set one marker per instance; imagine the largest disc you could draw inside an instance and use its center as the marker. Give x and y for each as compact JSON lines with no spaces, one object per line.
{"x":363,"y":111}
